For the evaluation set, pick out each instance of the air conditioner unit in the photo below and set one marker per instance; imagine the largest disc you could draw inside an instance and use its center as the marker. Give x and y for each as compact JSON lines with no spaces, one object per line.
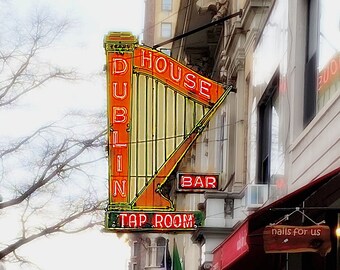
{"x":256,"y":195}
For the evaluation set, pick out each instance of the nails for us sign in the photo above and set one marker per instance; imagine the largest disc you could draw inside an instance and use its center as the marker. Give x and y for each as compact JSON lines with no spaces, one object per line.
{"x":295,"y":239}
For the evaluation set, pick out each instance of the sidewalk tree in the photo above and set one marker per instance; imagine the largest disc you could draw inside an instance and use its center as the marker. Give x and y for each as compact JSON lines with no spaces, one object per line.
{"x":46,"y":180}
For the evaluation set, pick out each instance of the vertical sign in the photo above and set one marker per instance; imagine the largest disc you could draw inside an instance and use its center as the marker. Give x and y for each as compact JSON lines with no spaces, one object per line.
{"x":157,"y":108}
{"x":119,"y":76}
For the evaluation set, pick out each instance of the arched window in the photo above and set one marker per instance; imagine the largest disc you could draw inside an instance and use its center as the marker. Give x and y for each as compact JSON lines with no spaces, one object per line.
{"x":160,"y":252}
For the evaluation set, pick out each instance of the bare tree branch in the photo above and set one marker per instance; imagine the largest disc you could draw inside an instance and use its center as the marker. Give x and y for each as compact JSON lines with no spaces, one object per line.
{"x":21,"y":69}
{"x":22,"y":142}
{"x":54,"y":168}
{"x":58,"y":227}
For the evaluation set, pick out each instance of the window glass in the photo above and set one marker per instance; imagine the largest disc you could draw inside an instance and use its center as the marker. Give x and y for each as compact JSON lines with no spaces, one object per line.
{"x":166,"y":30}
{"x":329,"y":51}
{"x":161,"y":256}
{"x":166,"y":5}
{"x":166,"y":51}
{"x":276,"y":145}
{"x":222,"y":140}
{"x":271,"y":142}
{"x":135,"y":249}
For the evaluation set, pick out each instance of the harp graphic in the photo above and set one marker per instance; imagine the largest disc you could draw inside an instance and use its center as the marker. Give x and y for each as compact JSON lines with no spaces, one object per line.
{"x":157,"y":108}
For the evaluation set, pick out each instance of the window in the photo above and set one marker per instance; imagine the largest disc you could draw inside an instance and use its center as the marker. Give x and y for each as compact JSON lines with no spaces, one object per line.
{"x":329,"y":52}
{"x":166,"y":5}
{"x":322,"y":72}
{"x":222,"y":140}
{"x":271,"y":153}
{"x":166,"y":30}
{"x":166,"y":51}
{"x":135,"y":249}
{"x":158,"y":254}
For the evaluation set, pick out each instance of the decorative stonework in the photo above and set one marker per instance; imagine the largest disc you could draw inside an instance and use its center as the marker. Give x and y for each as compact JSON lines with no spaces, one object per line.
{"x":218,"y":8}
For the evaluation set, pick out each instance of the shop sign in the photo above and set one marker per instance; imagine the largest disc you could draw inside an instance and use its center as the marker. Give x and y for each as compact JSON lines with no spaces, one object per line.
{"x":295,"y":239}
{"x":146,"y":90}
{"x":197,"y":182}
{"x":154,"y":221}
{"x":330,"y":73}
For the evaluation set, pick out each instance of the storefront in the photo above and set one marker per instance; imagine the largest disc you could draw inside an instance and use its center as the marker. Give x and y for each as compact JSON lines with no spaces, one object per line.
{"x":317,"y":201}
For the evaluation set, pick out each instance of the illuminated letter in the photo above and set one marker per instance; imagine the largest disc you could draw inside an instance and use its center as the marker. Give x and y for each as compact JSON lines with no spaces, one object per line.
{"x":179,"y":72}
{"x":189,"y":82}
{"x":124,"y":91}
{"x":211,"y":182}
{"x":119,"y":114}
{"x":334,"y":67}
{"x":142,"y":219}
{"x":122,"y":217}
{"x":164,"y":65}
{"x":146,"y":59}
{"x":205,"y":88}
{"x":133,"y":221}
{"x":119,"y":66}
{"x":168,"y":221}
{"x":119,"y":187}
{"x":115,"y":140}
{"x":177,"y":223}
{"x":158,"y":221}
{"x":198,"y":182}
{"x":187,"y":220}
{"x":119,"y":163}
{"x":186,"y":181}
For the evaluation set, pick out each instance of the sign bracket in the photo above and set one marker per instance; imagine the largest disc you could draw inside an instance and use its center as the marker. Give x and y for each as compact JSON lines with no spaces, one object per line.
{"x":297,"y":210}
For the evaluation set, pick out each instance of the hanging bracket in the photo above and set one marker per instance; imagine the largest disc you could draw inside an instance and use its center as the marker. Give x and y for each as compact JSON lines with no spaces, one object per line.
{"x":298,"y":210}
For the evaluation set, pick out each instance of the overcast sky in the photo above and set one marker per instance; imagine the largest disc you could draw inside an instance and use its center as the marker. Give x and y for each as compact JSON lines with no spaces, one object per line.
{"x":81,"y":48}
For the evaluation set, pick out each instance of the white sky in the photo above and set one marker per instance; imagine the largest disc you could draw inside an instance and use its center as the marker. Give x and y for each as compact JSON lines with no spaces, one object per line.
{"x":82,"y":48}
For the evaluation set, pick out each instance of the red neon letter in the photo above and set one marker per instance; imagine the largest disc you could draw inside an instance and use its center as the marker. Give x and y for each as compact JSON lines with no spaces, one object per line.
{"x":161,"y":67}
{"x":211,"y":182}
{"x":186,"y":182}
{"x":115,"y":140}
{"x":119,"y":66}
{"x":119,"y":187}
{"x":205,"y":88}
{"x":119,"y":114}
{"x":189,"y":82}
{"x":123,"y":95}
{"x":144,"y":58}
{"x":179,"y":72}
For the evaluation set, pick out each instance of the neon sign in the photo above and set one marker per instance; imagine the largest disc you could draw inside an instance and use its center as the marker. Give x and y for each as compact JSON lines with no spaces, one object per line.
{"x":147,"y":90}
{"x":150,"y":221}
{"x":177,"y":75}
{"x":197,"y":182}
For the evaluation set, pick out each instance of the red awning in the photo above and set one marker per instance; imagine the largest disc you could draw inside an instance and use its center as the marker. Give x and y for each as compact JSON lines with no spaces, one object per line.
{"x":246,"y":240}
{"x":233,"y":249}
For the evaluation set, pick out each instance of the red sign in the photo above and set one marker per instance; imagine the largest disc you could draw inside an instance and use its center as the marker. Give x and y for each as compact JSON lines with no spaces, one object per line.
{"x":330,"y":73}
{"x":232,"y":249}
{"x":135,"y":220}
{"x":294,"y":239}
{"x":140,"y":159}
{"x":177,"y":75}
{"x":119,"y":89}
{"x":193,"y":182}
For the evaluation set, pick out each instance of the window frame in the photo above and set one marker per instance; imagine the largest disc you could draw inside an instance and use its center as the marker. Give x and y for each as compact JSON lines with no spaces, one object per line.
{"x":166,"y":6}
{"x":163,"y":24}
{"x":265,"y":109}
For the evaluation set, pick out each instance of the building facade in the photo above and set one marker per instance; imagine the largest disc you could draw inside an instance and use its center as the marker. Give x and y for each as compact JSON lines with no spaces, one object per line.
{"x":274,"y":142}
